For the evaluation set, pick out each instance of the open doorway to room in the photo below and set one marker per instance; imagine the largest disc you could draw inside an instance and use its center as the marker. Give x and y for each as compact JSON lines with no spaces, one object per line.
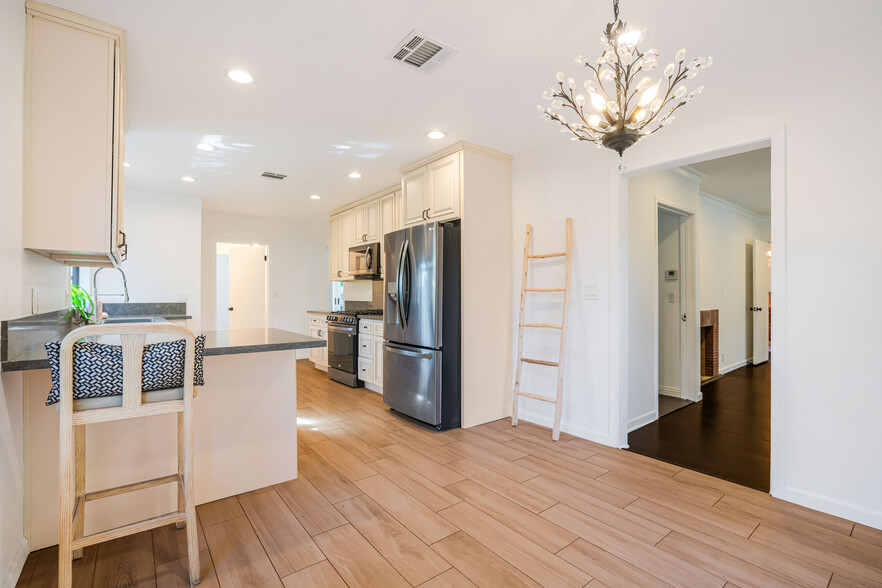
{"x":242,"y":286}
{"x":711,"y":379}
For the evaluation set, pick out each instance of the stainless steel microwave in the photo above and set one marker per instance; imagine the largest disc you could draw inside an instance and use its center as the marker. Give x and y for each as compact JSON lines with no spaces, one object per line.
{"x":364,"y":261}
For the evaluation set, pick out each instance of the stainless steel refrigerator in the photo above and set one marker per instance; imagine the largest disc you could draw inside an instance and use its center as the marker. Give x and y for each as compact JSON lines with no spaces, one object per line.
{"x":421,"y":351}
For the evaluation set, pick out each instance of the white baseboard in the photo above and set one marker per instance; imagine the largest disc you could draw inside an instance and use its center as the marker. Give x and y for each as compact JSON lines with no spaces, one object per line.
{"x":373,"y":387}
{"x":323,"y":368}
{"x":15,"y":565}
{"x":583,"y":432}
{"x":734,"y":366}
{"x":643,"y":419}
{"x":302,"y":354}
{"x":839,"y":508}
{"x":669,"y":391}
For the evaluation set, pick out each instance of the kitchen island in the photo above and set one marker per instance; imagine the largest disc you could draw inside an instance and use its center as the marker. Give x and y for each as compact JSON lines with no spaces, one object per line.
{"x":245,"y":434}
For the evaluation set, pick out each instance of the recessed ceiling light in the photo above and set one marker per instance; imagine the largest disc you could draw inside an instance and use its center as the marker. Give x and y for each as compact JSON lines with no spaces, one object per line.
{"x":315,"y":197}
{"x":354,"y":175}
{"x":205,"y":147}
{"x":188,"y":179}
{"x":436,"y":134}
{"x":127,"y":164}
{"x":240,"y":76}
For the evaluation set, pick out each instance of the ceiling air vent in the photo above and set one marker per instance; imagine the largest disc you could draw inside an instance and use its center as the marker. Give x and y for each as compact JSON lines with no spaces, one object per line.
{"x":273,"y":176}
{"x":421,"y":52}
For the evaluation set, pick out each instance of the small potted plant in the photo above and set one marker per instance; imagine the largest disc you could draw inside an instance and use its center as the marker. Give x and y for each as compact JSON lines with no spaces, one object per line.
{"x":82,"y":307}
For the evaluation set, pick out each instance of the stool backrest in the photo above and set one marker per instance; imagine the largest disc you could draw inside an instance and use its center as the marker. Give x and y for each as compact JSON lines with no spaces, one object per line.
{"x":133,"y":337}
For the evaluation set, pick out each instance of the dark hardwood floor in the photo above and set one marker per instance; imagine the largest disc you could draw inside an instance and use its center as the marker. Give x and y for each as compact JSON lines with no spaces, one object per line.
{"x":726,"y":435}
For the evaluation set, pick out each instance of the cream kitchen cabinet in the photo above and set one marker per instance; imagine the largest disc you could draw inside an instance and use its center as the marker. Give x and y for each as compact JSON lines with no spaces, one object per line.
{"x":433,"y":192}
{"x":335,"y":249}
{"x":74,"y":126}
{"x":318,"y":327}
{"x":364,"y":221}
{"x":370,"y":354}
{"x":414,"y":197}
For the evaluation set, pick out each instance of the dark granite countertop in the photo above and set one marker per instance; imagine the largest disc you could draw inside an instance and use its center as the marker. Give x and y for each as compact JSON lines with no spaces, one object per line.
{"x":216,"y":343}
{"x":21,"y":340}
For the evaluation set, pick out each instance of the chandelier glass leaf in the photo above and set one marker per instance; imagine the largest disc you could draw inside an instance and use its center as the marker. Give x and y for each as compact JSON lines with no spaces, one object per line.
{"x":623,"y":104}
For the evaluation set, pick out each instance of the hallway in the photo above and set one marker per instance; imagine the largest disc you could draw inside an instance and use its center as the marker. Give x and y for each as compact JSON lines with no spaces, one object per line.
{"x":726,"y":435}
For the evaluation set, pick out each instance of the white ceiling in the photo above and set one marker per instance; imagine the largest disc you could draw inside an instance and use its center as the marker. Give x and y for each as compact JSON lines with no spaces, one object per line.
{"x":322,"y":80}
{"x":744,"y":179}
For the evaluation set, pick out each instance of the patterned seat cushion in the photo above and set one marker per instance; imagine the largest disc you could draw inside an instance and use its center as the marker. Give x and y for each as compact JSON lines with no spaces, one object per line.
{"x":98,"y":368}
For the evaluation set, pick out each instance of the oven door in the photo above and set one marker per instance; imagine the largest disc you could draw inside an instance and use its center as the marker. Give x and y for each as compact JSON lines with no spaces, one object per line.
{"x":342,"y":347}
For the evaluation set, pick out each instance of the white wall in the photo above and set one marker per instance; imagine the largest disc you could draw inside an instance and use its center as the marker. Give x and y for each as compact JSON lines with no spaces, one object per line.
{"x":20,"y":272}
{"x":644,"y":193}
{"x":668,"y":304}
{"x":164,"y":236}
{"x":298,"y":258}
{"x":823,"y":415}
{"x":725,"y":252}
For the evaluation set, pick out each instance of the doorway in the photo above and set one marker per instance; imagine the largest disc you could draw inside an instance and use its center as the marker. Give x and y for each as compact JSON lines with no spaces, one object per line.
{"x":677,"y":385}
{"x":719,"y":346}
{"x":242,"y":271}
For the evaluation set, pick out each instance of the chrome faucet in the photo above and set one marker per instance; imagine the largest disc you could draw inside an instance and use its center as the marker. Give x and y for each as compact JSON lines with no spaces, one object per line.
{"x":95,"y":283}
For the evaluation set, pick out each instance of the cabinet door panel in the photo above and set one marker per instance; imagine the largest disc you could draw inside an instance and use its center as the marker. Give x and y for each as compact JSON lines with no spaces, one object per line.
{"x":372,"y":221}
{"x":378,"y":361}
{"x":443,"y":179}
{"x":347,"y":232}
{"x":315,"y":354}
{"x":414,"y":197}
{"x":335,"y":266}
{"x":359,"y":222}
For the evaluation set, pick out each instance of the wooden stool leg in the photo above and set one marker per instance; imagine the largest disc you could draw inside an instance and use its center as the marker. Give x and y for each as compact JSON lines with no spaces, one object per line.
{"x":79,"y":484}
{"x":181,"y":501}
{"x":189,"y":498}
{"x":65,"y":502}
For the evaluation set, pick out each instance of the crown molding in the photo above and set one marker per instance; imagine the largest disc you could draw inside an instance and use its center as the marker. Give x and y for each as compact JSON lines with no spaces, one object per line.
{"x":691,"y":173}
{"x":730,"y":206}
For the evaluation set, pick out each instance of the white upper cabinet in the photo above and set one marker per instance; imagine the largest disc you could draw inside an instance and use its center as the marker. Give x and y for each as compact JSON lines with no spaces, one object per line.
{"x":433,"y":192}
{"x":359,"y":222}
{"x":414,"y":197}
{"x":372,"y":221}
{"x":443,"y":180}
{"x":388,"y":220}
{"x":74,"y":126}
{"x":335,"y":250}
{"x":347,"y":237}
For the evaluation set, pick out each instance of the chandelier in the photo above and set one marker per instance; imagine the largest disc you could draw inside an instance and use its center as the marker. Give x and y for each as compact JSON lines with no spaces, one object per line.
{"x":624,"y":105}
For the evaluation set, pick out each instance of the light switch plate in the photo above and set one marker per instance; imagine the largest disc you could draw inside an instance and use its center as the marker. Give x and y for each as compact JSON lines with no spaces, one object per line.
{"x":591,"y":292}
{"x":35,"y":300}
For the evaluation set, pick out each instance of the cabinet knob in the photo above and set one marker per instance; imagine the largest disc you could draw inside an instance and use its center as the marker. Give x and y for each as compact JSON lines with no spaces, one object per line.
{"x":230,"y":308}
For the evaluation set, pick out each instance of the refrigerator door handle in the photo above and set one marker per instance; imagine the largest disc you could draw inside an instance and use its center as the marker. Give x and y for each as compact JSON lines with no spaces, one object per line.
{"x":398,"y":281}
{"x":407,"y":353}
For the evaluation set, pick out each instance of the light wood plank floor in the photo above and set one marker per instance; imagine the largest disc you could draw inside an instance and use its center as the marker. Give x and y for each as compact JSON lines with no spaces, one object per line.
{"x":383,"y":502}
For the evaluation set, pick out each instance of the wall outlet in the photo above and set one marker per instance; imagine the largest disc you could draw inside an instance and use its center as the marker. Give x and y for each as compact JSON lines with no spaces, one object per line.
{"x":35,"y":300}
{"x":671,"y":297}
{"x":591,"y":292}
{"x":722,"y":358}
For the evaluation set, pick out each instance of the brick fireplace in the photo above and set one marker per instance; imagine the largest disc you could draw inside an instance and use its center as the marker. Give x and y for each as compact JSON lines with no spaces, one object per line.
{"x":710,"y":343}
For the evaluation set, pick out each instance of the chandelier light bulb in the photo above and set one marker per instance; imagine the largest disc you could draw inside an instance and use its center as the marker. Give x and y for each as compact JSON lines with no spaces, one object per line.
{"x":594,"y":120}
{"x":598,"y":102}
{"x":580,"y":100}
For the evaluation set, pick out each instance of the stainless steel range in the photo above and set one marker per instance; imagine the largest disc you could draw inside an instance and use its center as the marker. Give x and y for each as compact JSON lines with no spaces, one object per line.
{"x":343,"y":345}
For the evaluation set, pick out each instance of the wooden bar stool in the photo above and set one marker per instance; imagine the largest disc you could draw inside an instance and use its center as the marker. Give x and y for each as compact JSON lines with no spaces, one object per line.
{"x":75,"y":414}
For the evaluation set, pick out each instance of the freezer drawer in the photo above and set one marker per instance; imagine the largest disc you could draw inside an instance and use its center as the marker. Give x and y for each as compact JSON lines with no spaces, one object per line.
{"x":412,"y":381}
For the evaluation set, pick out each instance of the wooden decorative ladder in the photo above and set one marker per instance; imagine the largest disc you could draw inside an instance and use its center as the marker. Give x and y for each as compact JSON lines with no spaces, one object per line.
{"x":562,"y":327}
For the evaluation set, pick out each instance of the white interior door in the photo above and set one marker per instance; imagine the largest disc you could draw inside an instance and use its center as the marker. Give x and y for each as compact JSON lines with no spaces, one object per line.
{"x":248,"y":277}
{"x":760,"y":301}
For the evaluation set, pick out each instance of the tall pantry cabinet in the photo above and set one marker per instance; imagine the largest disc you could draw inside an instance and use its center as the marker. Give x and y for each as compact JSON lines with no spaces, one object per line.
{"x":74,"y":127}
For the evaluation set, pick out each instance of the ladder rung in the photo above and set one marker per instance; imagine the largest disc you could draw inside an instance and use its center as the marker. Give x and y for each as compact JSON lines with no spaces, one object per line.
{"x":544,"y":289}
{"x":543,"y":255}
{"x":540,"y":362}
{"x":125,"y":530}
{"x":542,"y":325}
{"x":538,"y":397}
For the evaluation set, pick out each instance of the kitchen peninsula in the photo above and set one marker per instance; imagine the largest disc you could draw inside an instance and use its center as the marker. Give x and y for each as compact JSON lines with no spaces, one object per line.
{"x":246,"y":431}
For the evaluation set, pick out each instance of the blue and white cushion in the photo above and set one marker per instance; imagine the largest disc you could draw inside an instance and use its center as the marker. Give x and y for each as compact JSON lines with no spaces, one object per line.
{"x":98,"y":368}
